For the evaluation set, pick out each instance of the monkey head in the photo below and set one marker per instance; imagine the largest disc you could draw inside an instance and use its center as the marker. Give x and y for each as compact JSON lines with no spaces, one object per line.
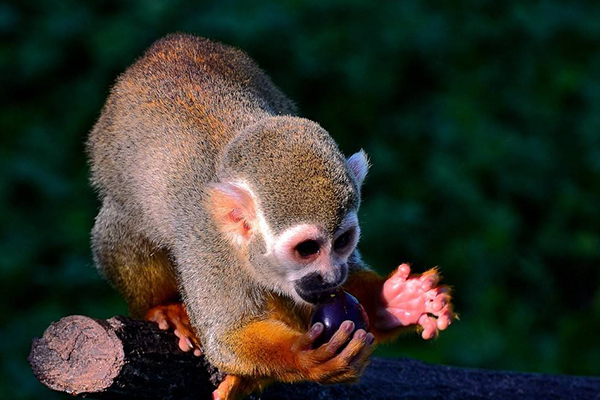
{"x":287,"y":199}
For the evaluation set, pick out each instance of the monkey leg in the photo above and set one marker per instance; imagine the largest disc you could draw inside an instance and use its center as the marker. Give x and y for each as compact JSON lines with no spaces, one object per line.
{"x":136,"y":267}
{"x":141,"y":271}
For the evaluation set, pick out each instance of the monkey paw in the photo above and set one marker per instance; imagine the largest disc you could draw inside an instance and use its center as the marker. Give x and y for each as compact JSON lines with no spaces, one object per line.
{"x":236,"y":387}
{"x":174,"y":316}
{"x":415,"y":300}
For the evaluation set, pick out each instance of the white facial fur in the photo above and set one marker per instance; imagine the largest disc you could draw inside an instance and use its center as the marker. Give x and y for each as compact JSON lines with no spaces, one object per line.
{"x":286,"y":265}
{"x":326,"y":262}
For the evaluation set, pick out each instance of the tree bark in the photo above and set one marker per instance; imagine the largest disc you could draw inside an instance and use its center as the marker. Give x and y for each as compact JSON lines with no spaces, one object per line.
{"x":122,"y":358}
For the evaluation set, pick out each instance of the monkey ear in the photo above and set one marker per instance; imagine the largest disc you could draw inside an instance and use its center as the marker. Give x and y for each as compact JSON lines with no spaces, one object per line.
{"x":234,"y":210}
{"x":358,"y":163}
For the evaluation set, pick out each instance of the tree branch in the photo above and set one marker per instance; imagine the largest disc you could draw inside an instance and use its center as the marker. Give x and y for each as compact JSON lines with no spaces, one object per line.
{"x":122,"y":358}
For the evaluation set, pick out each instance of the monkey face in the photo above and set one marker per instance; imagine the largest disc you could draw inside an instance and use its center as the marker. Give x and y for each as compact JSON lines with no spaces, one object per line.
{"x":305,"y":261}
{"x":313,"y":263}
{"x":286,"y":199}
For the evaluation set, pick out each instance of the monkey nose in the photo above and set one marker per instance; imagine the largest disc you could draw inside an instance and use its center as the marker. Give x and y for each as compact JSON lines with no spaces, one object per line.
{"x":314,"y":287}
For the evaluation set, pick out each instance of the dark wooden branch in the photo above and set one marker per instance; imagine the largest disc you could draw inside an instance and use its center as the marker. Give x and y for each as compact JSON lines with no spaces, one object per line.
{"x":121,"y":358}
{"x":118,"y":358}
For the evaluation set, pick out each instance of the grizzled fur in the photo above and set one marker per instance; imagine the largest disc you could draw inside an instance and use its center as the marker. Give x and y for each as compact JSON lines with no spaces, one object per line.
{"x":307,"y":163}
{"x":188,"y":114}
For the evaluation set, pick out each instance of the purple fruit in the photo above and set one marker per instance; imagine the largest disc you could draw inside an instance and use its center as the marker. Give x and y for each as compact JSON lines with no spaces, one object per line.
{"x":337,"y":308}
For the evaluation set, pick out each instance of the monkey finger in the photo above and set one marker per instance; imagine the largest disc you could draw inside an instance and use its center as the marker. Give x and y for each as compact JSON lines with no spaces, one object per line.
{"x":329,"y":349}
{"x":442,"y":303}
{"x":339,"y":338}
{"x":187,"y":338}
{"x":348,"y":365}
{"x":360,"y":360}
{"x":429,"y":279}
{"x":437,"y":304}
{"x":305,"y":341}
{"x":185,"y":343}
{"x":360,"y":340}
{"x":445,"y":289}
{"x":429,"y":325}
{"x":445,"y":317}
{"x":228,"y":389}
{"x":163,"y":325}
{"x":160,"y":317}
{"x":403,"y":271}
{"x":398,"y":278}
{"x":443,"y":322}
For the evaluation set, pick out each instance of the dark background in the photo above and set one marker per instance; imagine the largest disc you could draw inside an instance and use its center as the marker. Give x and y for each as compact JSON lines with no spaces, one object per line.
{"x":481,"y":119}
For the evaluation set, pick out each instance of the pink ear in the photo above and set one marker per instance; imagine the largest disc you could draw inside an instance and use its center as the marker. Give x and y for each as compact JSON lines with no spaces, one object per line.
{"x":358,"y":163}
{"x":234,"y":210}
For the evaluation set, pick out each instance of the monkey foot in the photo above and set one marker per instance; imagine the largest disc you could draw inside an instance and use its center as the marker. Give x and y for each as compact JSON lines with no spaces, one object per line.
{"x":173,"y":316}
{"x":415,"y":300}
{"x":236,"y":387}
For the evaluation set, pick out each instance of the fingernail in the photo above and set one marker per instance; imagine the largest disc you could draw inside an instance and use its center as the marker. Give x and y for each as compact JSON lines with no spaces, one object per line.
{"x":348,"y":326}
{"x":360,"y":334}
{"x":189,"y":343}
{"x":370,"y":339}
{"x":316,"y":328}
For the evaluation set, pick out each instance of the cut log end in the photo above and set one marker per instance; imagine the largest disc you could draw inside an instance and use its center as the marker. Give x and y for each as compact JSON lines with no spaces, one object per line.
{"x":77,"y":354}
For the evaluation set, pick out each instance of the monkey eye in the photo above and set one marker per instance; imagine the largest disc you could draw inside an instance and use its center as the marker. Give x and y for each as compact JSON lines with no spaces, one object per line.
{"x":308,"y":248}
{"x":342,"y":241}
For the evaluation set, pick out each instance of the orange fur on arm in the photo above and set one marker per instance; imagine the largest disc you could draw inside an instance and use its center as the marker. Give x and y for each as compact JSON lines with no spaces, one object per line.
{"x":366,"y":286}
{"x":264,"y":350}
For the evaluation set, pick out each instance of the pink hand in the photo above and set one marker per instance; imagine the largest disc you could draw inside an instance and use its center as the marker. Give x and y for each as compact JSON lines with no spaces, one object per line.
{"x":415,"y":300}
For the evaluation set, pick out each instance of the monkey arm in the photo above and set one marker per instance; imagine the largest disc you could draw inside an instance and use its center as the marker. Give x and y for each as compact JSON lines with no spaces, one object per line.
{"x":271,"y":349}
{"x":401,"y":302}
{"x":366,"y":285}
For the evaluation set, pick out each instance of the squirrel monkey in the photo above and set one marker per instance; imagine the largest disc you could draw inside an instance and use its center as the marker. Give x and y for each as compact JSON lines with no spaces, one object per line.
{"x":225,"y":217}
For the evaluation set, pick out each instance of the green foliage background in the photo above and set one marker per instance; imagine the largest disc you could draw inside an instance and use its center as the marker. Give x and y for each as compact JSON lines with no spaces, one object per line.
{"x":481,"y":119}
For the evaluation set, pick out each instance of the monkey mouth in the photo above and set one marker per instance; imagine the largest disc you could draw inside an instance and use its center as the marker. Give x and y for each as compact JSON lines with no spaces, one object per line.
{"x":320,"y":293}
{"x":316,"y":297}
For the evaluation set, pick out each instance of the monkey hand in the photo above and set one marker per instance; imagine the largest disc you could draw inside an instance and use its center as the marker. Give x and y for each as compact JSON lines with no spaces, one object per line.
{"x":342,"y":359}
{"x":173,"y":316}
{"x":334,"y":361}
{"x":415,"y":300}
